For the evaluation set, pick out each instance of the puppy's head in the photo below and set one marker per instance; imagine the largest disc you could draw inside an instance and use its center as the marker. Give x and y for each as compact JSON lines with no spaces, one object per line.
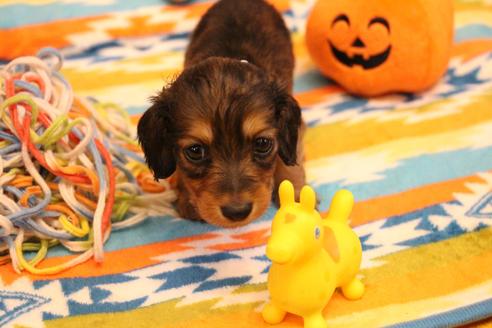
{"x":222,"y":126}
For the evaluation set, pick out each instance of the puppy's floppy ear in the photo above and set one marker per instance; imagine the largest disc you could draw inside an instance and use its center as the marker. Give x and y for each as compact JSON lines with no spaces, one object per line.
{"x":288,"y":118}
{"x":155,"y":134}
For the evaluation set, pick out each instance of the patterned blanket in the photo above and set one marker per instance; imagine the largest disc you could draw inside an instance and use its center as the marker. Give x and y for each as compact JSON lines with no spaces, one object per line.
{"x":420,"y":167}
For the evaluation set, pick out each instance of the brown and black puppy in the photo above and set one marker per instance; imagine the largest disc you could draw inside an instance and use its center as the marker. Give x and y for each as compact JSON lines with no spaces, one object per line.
{"x":228,"y":127}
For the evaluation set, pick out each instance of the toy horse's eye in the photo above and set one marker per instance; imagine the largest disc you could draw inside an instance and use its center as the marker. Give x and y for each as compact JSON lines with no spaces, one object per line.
{"x":317,"y":232}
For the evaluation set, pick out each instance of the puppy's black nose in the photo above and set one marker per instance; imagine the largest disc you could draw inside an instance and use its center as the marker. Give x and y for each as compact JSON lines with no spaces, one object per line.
{"x":237,"y":212}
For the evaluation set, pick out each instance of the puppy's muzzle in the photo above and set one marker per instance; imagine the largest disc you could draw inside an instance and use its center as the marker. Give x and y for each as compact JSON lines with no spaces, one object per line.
{"x":237,"y":212}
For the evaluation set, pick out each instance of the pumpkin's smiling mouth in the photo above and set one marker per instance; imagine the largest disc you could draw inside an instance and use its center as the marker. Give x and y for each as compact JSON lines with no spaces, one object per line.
{"x":372,"y":62}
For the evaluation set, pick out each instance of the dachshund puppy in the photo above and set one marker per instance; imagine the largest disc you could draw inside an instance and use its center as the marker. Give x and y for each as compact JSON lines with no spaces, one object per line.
{"x":228,"y":127}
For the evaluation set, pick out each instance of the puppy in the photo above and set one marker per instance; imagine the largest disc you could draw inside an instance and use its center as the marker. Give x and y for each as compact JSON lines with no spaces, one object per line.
{"x":228,"y":127}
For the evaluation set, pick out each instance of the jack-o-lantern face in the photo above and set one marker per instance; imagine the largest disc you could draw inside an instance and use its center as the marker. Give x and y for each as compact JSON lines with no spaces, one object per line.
{"x":358,"y":52}
{"x":372,"y":47}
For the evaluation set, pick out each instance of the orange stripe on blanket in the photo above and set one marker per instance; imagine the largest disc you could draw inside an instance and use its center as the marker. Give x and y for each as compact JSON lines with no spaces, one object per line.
{"x":135,"y":118}
{"x":280,"y":5}
{"x":245,"y":240}
{"x":27,"y":40}
{"x":352,"y":136}
{"x":115,"y":262}
{"x":139,"y":26}
{"x":470,"y":49}
{"x":409,"y":201}
{"x":141,"y":256}
{"x":195,"y":10}
{"x":314,"y":96}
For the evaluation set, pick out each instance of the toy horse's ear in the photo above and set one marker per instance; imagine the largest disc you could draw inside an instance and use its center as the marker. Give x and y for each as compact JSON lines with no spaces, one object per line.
{"x":286,"y":193}
{"x":308,"y":198}
{"x":341,"y":206}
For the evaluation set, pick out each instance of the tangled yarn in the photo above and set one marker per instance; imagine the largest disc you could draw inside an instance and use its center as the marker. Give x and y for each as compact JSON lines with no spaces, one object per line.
{"x":71,"y":170}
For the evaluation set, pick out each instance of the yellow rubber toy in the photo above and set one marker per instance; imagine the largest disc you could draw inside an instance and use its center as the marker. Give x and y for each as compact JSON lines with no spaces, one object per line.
{"x":311,"y":257}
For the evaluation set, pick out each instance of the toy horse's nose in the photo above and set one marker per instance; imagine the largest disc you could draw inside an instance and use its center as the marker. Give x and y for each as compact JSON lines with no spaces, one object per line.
{"x":237,"y":212}
{"x":281,"y":247}
{"x":277,"y":253}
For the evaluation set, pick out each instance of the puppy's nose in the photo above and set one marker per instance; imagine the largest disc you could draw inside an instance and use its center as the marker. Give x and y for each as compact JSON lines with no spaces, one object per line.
{"x":237,"y":212}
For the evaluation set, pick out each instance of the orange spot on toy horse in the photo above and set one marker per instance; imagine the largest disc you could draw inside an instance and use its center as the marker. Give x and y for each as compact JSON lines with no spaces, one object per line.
{"x":289,"y":217}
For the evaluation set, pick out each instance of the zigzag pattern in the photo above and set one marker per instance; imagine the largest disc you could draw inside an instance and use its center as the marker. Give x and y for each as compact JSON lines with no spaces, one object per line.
{"x":385,"y":150}
{"x":200,"y":274}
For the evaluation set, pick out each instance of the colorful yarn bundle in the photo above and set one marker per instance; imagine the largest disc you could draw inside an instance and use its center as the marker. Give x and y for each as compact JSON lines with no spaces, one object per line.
{"x":70,"y":168}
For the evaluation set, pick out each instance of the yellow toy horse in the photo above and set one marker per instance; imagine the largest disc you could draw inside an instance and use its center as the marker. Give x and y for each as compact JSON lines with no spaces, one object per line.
{"x":311,"y":257}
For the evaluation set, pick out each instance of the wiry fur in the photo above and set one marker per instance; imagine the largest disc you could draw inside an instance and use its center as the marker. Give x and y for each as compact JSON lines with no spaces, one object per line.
{"x":224,"y":104}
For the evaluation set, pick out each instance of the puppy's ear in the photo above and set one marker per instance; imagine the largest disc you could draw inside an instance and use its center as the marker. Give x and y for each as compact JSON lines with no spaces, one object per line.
{"x":288,"y":118}
{"x":157,"y":140}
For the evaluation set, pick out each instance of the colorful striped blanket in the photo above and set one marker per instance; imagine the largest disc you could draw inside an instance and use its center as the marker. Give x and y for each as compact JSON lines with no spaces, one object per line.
{"x":420,"y":167}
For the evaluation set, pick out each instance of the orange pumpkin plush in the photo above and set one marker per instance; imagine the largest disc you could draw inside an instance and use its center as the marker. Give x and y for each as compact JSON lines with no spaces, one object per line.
{"x":372,"y":47}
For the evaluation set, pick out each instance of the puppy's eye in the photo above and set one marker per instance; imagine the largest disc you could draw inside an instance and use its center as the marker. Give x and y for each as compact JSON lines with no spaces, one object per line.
{"x":262,"y":146}
{"x":195,"y":153}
